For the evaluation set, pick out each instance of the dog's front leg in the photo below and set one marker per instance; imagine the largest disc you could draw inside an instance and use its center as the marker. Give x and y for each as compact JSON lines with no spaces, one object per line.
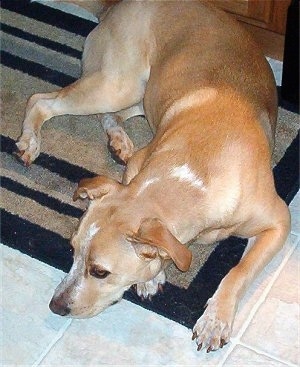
{"x":213,"y":328}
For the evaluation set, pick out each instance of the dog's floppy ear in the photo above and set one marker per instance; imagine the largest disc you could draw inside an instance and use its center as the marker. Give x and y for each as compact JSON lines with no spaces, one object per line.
{"x":153,"y":236}
{"x":93,"y":188}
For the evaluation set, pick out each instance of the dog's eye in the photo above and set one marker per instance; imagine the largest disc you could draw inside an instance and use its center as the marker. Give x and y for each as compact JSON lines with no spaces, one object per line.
{"x":98,"y":273}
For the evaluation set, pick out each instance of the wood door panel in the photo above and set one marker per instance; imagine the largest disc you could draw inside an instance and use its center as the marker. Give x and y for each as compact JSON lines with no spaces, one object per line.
{"x":239,"y":7}
{"x":267,"y":14}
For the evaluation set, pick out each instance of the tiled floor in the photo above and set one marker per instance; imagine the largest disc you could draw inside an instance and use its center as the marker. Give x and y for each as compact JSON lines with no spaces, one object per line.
{"x":266,"y":331}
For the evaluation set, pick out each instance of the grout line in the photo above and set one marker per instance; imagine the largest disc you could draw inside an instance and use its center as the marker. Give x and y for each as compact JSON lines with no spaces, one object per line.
{"x":295,"y":233}
{"x":266,"y":354}
{"x":230,"y":347}
{"x":58,"y":336}
{"x":237,"y":339}
{"x":266,"y":291}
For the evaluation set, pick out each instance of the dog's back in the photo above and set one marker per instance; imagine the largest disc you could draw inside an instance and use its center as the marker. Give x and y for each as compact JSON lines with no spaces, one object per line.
{"x":209,"y":49}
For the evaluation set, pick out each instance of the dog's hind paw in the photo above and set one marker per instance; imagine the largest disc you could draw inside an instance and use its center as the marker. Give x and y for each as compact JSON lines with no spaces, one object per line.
{"x":212,"y":331}
{"x":150,"y":288}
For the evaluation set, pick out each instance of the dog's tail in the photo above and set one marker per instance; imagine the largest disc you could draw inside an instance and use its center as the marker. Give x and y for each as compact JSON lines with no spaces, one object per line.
{"x":99,"y":8}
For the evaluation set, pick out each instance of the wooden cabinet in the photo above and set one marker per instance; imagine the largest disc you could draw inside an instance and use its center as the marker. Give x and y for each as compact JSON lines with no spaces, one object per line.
{"x":265,"y":19}
{"x":266,"y":14}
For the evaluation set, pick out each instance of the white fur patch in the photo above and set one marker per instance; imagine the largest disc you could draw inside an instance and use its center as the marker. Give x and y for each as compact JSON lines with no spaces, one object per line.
{"x":77,"y":269}
{"x":185,"y":174}
{"x":196,"y":98}
{"x":91,"y":232}
{"x":147,"y":183}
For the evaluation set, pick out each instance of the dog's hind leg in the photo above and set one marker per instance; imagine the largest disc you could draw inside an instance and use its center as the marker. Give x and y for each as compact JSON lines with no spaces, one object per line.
{"x":93,"y":94}
{"x":119,"y":142}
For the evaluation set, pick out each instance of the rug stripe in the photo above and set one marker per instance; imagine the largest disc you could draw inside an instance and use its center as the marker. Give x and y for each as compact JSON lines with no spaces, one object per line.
{"x":285,"y":104}
{"x":32,"y":211}
{"x":45,"y":14}
{"x":41,"y":198}
{"x":35,"y":241}
{"x":64,"y":169}
{"x":41,"y":29}
{"x":36,"y":70}
{"x":38,"y":178}
{"x":32,"y":52}
{"x":55,"y":46}
{"x":286,"y":173}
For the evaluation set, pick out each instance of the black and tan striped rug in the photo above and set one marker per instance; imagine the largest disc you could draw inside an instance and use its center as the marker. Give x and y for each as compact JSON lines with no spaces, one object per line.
{"x":41,"y":50}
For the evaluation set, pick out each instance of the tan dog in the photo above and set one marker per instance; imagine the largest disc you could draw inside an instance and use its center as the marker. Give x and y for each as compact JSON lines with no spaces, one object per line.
{"x":210,"y":96}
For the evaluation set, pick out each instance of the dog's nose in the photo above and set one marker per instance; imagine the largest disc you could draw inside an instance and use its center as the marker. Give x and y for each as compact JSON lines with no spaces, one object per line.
{"x":58,"y":306}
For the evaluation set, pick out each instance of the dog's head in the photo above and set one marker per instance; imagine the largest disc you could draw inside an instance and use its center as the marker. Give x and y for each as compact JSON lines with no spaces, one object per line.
{"x":114,"y":248}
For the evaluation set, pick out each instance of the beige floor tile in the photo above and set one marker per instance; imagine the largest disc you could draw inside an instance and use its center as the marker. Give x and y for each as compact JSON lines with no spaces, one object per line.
{"x":128,"y":335}
{"x":28,"y":326}
{"x":286,"y":286}
{"x":295,"y":213}
{"x":256,"y":290}
{"x":275,"y":328}
{"x":242,"y":356}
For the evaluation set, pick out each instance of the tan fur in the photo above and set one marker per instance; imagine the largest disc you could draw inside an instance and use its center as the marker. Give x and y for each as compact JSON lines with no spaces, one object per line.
{"x":210,"y":97}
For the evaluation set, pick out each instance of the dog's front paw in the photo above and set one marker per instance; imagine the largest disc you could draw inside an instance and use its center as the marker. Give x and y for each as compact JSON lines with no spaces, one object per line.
{"x":150,"y":288}
{"x":120,"y":144}
{"x":28,"y":147}
{"x":213,"y":329}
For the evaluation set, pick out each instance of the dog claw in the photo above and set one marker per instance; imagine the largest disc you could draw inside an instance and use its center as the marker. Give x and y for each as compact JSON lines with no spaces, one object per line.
{"x":209,"y":349}
{"x":116,"y":156}
{"x":27,"y":163}
{"x":20,"y":157}
{"x":199,"y":347}
{"x":19,"y":153}
{"x":194,"y":336}
{"x":160,"y":288}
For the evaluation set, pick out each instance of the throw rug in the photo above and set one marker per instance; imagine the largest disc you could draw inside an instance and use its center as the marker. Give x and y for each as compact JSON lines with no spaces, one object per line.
{"x":41,"y":51}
